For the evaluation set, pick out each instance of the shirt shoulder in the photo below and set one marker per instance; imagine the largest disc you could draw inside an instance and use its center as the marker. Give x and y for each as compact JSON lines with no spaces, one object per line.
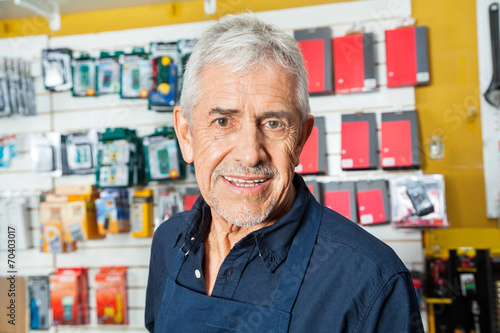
{"x":168,"y":234}
{"x":350,"y":238}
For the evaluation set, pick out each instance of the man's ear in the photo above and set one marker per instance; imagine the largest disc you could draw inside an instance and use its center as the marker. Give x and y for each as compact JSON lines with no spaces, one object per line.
{"x":305,"y":132}
{"x":183,"y":133}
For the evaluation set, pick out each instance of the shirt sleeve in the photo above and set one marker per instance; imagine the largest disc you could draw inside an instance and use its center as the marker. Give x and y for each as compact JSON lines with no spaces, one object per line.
{"x":395,"y":308}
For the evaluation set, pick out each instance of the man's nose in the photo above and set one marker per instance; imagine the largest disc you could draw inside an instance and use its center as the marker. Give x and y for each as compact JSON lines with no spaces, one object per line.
{"x":249,"y":148}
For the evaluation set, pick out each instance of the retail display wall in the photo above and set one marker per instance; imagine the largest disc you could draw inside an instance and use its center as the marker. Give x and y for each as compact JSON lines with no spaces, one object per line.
{"x":63,"y":112}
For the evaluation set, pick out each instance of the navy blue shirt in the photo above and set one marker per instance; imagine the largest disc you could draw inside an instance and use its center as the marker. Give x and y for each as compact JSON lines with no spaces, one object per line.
{"x":354,"y":282}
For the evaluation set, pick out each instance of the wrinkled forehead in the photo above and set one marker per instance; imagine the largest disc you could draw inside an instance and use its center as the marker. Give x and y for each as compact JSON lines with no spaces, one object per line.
{"x":270,"y":72}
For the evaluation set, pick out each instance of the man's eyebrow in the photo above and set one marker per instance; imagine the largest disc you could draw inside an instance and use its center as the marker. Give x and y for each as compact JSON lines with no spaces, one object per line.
{"x":277,"y":114}
{"x":223,"y":112}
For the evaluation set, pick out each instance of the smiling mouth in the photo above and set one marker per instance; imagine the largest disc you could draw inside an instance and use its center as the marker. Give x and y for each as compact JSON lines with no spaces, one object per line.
{"x":245,"y":182}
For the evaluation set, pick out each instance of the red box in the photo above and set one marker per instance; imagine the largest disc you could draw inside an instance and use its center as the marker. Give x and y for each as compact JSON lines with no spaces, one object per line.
{"x":341,"y":197}
{"x":312,"y":159}
{"x":400,"y":146}
{"x":354,"y":64}
{"x":316,"y":47}
{"x":359,"y":141}
{"x":190,"y":197}
{"x":373,"y":202}
{"x":407,"y":56}
{"x":69,"y":296}
{"x":111,"y":295}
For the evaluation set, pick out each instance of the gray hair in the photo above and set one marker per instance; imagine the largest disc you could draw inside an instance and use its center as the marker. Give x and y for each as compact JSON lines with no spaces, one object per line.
{"x":244,"y":43}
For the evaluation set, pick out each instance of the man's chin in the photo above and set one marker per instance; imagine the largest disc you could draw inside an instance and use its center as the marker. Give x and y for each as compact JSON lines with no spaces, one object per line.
{"x":242,"y":215}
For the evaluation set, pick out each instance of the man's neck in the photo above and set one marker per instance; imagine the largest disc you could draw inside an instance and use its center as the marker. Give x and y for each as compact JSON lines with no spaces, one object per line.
{"x":220,"y":239}
{"x":223,"y":236}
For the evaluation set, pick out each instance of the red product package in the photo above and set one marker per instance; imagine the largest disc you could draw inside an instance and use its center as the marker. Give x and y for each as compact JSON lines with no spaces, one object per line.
{"x":407,"y":56}
{"x":354,"y":64}
{"x":111,"y":295}
{"x":69,"y":296}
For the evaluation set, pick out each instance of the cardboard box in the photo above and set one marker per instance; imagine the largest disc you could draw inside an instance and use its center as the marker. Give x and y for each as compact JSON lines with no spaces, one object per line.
{"x":359,"y":141}
{"x":316,"y":47}
{"x":354,"y":63}
{"x":407,"y":56}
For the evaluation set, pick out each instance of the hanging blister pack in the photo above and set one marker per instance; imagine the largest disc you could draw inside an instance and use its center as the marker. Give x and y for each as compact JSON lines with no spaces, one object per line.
{"x":119,"y":160}
{"x":46,"y":154}
{"x":81,"y":151}
{"x":27,"y":88}
{"x":39,"y":302}
{"x":8,"y":150}
{"x":15,"y":96}
{"x":418,"y":201}
{"x":164,"y":60}
{"x":135,"y":74}
{"x":108,"y":73}
{"x":5,"y":109}
{"x":169,"y":203}
{"x":184,"y":47}
{"x":56,"y":65}
{"x":14,"y":215}
{"x":162,"y":155}
{"x":84,"y":77}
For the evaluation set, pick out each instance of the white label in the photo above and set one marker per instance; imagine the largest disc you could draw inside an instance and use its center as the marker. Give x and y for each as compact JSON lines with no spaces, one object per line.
{"x":347,"y":163}
{"x":388,"y":161}
{"x":423,"y":77}
{"x":367,"y":218}
{"x":370,"y":83}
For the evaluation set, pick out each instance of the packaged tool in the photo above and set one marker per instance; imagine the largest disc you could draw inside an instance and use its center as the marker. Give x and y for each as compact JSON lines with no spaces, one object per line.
{"x":108,"y":73}
{"x":111,"y":296}
{"x":56,"y":65}
{"x":163,"y":156}
{"x":142,"y":215}
{"x":135,"y":74}
{"x":84,"y":76}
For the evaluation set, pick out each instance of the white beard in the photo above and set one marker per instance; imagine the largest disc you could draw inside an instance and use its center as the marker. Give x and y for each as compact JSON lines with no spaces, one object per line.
{"x":241,"y":214}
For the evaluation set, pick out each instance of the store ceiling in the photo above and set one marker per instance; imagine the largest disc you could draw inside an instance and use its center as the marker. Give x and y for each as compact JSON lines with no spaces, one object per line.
{"x":8,"y":10}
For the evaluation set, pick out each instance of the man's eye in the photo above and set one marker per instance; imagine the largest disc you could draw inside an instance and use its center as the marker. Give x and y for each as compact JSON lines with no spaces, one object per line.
{"x":222,"y":122}
{"x":274,"y":124}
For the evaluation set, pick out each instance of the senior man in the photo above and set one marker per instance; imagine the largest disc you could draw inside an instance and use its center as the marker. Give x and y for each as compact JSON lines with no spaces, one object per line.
{"x":257,"y":253}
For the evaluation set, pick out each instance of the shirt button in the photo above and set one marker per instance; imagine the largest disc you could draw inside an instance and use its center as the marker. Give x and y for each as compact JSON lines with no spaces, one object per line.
{"x":271,"y":258}
{"x":197,"y":273}
{"x":192,"y":238}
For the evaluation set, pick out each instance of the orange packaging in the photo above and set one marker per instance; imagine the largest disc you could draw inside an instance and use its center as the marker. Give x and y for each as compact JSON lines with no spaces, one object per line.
{"x":111,"y":295}
{"x":69,"y":296}
{"x":80,"y":222}
{"x":52,"y":229}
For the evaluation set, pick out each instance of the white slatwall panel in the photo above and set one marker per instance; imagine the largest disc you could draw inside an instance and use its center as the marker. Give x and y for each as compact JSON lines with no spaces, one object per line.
{"x":62,"y":112}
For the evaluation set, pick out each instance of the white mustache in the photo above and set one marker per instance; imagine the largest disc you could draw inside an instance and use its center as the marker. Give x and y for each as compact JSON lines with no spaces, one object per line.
{"x":243,"y":170}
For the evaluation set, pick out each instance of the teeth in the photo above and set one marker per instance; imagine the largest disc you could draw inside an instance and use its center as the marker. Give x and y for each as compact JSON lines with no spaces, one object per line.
{"x":244,"y":183}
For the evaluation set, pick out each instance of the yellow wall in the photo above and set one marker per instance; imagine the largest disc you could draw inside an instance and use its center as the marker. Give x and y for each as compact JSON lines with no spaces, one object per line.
{"x":443,"y":105}
{"x":142,"y":16}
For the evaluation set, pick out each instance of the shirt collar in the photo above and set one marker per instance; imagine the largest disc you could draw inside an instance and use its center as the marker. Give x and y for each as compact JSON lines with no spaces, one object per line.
{"x":273,"y":242}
